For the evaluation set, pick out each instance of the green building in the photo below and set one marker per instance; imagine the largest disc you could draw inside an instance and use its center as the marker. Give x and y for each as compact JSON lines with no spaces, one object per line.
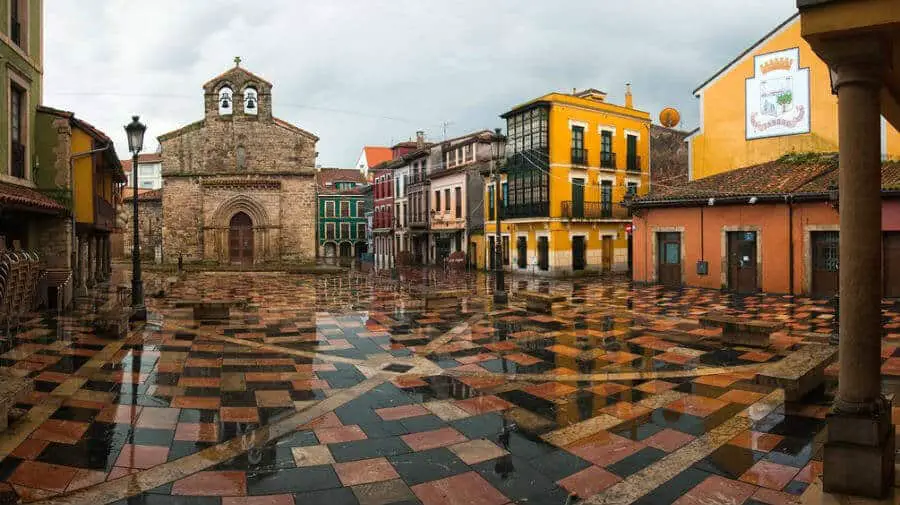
{"x":342,"y":201}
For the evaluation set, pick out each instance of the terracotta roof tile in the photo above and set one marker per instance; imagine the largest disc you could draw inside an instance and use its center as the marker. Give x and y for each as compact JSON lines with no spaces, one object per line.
{"x":13,"y":195}
{"x":326,"y":178}
{"x":376,"y":154}
{"x":798,"y":174}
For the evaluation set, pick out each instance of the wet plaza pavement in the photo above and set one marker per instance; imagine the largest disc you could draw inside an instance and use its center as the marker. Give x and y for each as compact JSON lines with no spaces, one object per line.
{"x":361,"y":389}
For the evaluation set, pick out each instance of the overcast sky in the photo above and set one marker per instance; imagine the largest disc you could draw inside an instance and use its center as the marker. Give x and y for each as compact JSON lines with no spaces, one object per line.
{"x":372,"y":72}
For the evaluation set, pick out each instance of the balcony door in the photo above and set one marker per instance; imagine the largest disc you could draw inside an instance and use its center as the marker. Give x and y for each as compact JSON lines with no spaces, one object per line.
{"x":577,"y":198}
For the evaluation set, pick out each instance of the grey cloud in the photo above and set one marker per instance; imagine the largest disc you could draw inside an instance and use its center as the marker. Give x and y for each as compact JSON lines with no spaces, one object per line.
{"x":390,"y":66}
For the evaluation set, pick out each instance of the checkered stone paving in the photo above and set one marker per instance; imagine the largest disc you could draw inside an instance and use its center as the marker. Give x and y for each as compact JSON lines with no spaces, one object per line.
{"x":361,"y":389}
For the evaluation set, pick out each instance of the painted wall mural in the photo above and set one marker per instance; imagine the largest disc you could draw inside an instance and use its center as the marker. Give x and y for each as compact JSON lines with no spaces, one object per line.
{"x":777,"y":97}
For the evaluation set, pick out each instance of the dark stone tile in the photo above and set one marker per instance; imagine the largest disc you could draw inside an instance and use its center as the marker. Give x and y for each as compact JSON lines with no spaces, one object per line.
{"x":418,"y":467}
{"x":636,"y":462}
{"x":729,"y":461}
{"x":75,"y":414}
{"x":558,"y":464}
{"x":637,"y":429}
{"x":786,"y":425}
{"x":519,"y":482}
{"x":383,"y":429}
{"x":8,"y":465}
{"x":423,"y":423}
{"x":338,"y":496}
{"x":674,"y":488}
{"x":198,"y":416}
{"x":677,"y":421}
{"x":180,"y":448}
{"x":298,"y":439}
{"x":158,"y":499}
{"x":701,"y":389}
{"x":366,"y":449}
{"x":261,"y":460}
{"x":238,"y":398}
{"x":293,"y":480}
{"x":86,"y":453}
{"x":148,"y":436}
{"x":796,"y":487}
{"x":792,"y":451}
{"x":480,"y":426}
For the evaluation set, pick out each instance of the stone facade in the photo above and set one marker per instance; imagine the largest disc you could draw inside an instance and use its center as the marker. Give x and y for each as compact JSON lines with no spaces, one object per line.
{"x":150,"y":217}
{"x":240,"y":182}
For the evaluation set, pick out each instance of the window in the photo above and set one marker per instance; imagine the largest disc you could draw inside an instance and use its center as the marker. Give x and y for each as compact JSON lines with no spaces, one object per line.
{"x":469,"y":152}
{"x":17,"y":135}
{"x":360,"y":231}
{"x":605,"y":198}
{"x":458,"y":194}
{"x":453,"y":154}
{"x":504,"y":194}
{"x":527,"y":130}
{"x":397,"y":215}
{"x":345,"y":230}
{"x":522,"y":252}
{"x":251,"y":101}
{"x":345,"y":208}
{"x":225,"y":100}
{"x":631,"y":188}
{"x":634,"y":161}
{"x":18,"y":23}
{"x":447,"y":199}
{"x":360,"y":208}
{"x":544,"y":253}
{"x":490,"y":202}
{"x":329,"y":209}
{"x":579,"y":155}
{"x":329,"y":231}
{"x":607,"y":158}
{"x":437,"y":200}
{"x":405,"y":214}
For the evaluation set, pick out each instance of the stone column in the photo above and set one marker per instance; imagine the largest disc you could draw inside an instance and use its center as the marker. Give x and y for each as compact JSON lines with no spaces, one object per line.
{"x":98,"y":259}
{"x":81,"y":253}
{"x":859,"y":452}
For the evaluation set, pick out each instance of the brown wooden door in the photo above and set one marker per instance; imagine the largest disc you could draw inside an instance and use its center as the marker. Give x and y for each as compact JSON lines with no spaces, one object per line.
{"x":742,"y":261}
{"x":825,"y":278}
{"x":607,"y":246}
{"x":892,"y":264}
{"x":668,"y":258}
{"x":240,"y":239}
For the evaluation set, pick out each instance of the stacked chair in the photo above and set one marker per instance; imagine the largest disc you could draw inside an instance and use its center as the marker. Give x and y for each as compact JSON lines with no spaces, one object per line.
{"x":20,"y":274}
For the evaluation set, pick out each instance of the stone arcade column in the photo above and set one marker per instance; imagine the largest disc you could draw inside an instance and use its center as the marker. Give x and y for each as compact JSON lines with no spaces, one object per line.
{"x":859,"y":452}
{"x":98,"y":259}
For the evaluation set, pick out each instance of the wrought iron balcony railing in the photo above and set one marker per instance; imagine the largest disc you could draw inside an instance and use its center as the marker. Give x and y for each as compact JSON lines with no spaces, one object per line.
{"x":634,"y":163}
{"x":607,"y":159}
{"x":579,"y":156}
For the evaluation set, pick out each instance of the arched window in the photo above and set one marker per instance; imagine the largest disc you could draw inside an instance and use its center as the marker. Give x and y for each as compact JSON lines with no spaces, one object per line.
{"x":251,"y":101}
{"x":226,"y":100}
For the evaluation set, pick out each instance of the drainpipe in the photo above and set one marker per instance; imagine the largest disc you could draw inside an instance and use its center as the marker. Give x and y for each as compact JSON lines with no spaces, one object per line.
{"x":789,"y":199}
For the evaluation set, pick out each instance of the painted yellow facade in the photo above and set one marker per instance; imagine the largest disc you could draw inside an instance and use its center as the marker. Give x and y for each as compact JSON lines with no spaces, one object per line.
{"x":723,"y":141}
{"x":559,"y":217}
{"x":83,"y":170}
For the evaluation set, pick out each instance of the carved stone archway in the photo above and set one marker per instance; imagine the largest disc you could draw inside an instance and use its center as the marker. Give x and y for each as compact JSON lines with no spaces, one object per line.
{"x":221,"y":224}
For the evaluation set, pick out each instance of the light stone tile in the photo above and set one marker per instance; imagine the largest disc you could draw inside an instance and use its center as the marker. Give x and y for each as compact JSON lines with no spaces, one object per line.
{"x":312,"y":455}
{"x":476,"y":451}
{"x":662,"y":399}
{"x":446,"y":410}
{"x":584,"y":429}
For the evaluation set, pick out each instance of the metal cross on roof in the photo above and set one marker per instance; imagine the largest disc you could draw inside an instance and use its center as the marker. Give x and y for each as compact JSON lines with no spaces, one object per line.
{"x":237,"y":61}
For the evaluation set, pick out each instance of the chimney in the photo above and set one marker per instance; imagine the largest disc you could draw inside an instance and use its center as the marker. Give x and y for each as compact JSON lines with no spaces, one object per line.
{"x":420,"y":139}
{"x":629,"y":102}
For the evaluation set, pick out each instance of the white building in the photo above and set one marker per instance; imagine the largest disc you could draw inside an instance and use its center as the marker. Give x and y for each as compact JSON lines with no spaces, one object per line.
{"x":371,"y":156}
{"x":149,"y":171}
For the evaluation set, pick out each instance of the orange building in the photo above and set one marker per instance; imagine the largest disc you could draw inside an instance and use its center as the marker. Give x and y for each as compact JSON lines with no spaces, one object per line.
{"x":771,"y":227}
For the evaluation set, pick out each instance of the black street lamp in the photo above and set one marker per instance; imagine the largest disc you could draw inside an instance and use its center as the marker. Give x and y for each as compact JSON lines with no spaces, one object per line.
{"x":500,"y":286}
{"x":135,"y":131}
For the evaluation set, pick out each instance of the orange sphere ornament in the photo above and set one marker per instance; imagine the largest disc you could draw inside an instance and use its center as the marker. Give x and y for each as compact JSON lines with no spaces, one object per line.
{"x":669,"y":117}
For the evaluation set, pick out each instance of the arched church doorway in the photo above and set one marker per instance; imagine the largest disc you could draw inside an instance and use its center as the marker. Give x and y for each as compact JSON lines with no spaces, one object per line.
{"x":240,"y":239}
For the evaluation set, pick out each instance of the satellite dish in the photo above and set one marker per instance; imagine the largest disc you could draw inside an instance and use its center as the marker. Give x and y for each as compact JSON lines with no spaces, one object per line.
{"x":669,"y":117}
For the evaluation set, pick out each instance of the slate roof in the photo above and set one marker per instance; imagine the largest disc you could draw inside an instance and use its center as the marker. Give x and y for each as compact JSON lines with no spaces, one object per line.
{"x":14,"y":195}
{"x":808,"y":175}
{"x":326,"y":178}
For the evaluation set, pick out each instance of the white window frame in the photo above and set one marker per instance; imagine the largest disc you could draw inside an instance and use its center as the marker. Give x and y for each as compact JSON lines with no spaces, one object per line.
{"x":329,"y":204}
{"x":329,"y":236}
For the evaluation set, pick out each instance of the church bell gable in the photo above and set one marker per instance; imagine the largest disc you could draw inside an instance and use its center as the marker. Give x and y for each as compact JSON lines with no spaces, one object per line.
{"x":238,"y":93}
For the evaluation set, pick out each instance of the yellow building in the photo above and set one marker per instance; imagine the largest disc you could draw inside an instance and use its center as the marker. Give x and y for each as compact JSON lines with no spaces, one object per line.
{"x":772,"y":99}
{"x":570,"y":160}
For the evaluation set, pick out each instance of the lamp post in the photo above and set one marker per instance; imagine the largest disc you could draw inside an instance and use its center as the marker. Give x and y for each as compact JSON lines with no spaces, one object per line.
{"x":135,"y":131}
{"x":500,"y":287}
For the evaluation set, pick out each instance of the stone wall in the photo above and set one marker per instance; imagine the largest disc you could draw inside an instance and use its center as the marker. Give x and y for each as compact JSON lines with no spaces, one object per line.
{"x":150,"y":216}
{"x":54,"y":241}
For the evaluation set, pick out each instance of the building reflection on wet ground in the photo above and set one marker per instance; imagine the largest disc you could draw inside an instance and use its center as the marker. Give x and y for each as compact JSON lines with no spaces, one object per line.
{"x":356,"y":388}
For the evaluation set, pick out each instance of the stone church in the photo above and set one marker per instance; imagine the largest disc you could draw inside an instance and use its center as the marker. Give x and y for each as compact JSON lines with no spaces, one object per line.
{"x":238,"y":185}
